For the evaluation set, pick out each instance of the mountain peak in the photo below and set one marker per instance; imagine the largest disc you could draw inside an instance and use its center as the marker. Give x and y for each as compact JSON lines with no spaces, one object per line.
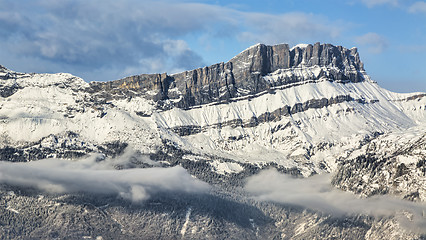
{"x":280,"y":56}
{"x":257,"y":69}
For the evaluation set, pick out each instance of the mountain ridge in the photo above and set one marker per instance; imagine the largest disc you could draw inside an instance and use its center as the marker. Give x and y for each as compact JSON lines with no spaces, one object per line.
{"x":244,"y":74}
{"x":285,"y":109}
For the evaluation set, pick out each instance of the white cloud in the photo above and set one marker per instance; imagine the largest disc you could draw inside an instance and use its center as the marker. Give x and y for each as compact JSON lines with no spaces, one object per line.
{"x":373,"y":3}
{"x":106,"y":39}
{"x":93,"y":176}
{"x":88,"y":36}
{"x":291,"y":28}
{"x":418,"y":7}
{"x":317,"y":193}
{"x":374,"y":42}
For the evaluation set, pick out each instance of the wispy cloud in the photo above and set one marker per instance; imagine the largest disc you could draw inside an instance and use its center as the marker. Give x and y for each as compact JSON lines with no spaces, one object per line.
{"x":418,"y":7}
{"x":411,"y":7}
{"x":290,"y":28}
{"x":413,"y":48}
{"x":374,"y":42}
{"x":106,"y":39}
{"x":318,"y":194}
{"x":373,"y":3}
{"x":93,"y":176}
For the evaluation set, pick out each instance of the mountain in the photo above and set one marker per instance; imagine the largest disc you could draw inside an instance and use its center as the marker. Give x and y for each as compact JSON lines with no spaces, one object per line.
{"x":306,"y":111}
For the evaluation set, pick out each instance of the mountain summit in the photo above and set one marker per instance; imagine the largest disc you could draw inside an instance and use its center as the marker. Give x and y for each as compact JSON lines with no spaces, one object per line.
{"x":303,"y":111}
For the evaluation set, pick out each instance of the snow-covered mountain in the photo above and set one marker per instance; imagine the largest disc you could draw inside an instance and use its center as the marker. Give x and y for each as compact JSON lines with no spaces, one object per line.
{"x":305,"y":110}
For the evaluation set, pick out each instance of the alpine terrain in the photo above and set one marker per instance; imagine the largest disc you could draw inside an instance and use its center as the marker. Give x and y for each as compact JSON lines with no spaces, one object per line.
{"x":276,"y":143}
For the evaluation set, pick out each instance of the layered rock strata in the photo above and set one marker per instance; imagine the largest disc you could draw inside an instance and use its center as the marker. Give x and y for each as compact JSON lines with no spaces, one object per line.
{"x":243,"y":75}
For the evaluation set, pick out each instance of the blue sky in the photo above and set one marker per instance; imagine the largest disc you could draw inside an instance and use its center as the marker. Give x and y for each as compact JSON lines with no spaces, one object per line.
{"x":106,"y":40}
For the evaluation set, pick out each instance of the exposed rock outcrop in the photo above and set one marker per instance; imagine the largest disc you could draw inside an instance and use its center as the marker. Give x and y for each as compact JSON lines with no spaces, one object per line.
{"x":139,"y":83}
{"x":243,"y":75}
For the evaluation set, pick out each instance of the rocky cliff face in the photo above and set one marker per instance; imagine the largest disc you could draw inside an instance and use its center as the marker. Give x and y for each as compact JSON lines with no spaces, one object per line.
{"x":245,"y":74}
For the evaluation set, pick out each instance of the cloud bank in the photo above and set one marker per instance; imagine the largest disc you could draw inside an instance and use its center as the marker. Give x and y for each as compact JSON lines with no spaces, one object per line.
{"x":418,"y":7}
{"x":317,"y":193}
{"x":91,"y":176}
{"x":107,"y":40}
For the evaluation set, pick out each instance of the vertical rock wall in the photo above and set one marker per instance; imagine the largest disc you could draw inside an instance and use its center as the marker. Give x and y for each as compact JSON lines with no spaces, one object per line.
{"x":243,"y":74}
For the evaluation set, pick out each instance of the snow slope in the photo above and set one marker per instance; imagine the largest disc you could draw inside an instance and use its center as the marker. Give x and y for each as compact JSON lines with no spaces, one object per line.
{"x":343,"y":124}
{"x":311,"y":140}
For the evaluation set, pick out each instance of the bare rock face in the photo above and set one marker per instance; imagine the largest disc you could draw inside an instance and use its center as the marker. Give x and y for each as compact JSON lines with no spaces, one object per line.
{"x":244,"y":74}
{"x":139,"y":83}
{"x":205,"y":85}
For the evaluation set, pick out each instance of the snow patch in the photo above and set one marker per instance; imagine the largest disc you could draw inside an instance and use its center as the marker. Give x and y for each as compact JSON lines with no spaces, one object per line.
{"x":185,"y":224}
{"x":12,"y":210}
{"x":407,"y":159}
{"x":226,"y":167}
{"x":300,"y":45}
